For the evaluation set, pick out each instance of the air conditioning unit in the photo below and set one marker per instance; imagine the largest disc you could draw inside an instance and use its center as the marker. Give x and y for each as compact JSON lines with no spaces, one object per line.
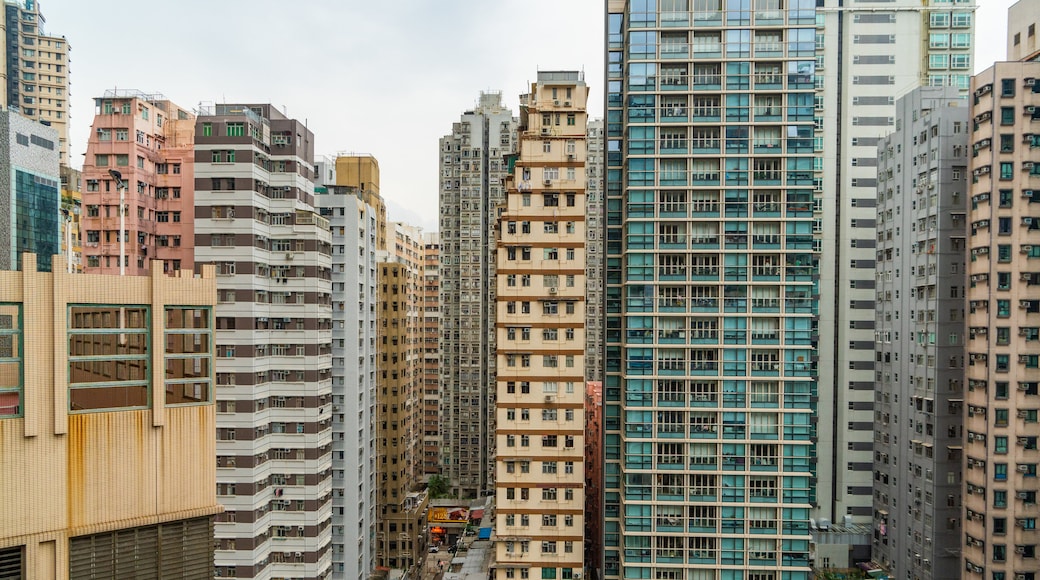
{"x":1026,"y":248}
{"x":566,"y":103}
{"x":549,"y":399}
{"x":546,"y":131}
{"x":547,"y":181}
{"x":556,"y":102}
{"x":1022,"y":468}
{"x":552,"y":290}
{"x":1022,"y":495}
{"x":1022,"y":414}
{"x":1023,"y":387}
{"x":288,"y":255}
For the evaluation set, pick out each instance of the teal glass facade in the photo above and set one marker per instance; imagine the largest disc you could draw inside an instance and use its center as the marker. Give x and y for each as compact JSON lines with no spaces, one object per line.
{"x":712,"y":257}
{"x":36,"y":226}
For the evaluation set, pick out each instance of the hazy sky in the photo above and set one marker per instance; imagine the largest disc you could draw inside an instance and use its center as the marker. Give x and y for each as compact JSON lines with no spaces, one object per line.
{"x":386,"y":77}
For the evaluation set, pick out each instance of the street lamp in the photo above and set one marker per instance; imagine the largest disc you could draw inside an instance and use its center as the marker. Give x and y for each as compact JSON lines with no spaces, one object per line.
{"x":121,"y":185}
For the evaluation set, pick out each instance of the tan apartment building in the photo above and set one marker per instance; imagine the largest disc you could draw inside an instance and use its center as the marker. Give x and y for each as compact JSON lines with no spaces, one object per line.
{"x":37,"y":70}
{"x":107,"y":425}
{"x":431,"y":354}
{"x":1023,"y":38}
{"x":362,"y":172}
{"x":140,"y":151}
{"x":401,"y":501}
{"x":540,"y":403}
{"x":1003,"y":358}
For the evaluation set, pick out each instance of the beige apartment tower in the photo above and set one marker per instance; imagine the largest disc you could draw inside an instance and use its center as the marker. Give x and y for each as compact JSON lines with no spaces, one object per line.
{"x":1003,"y":359}
{"x":107,"y":425}
{"x":540,"y":329}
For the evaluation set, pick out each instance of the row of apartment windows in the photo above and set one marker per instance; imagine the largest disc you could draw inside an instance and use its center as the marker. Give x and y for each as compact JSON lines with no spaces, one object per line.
{"x":548,"y":441}
{"x":548,"y":494}
{"x":548,"y":227}
{"x":548,"y":468}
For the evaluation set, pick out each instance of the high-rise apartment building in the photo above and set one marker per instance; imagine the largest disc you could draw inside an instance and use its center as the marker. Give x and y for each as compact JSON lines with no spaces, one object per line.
{"x":141,"y":155}
{"x":255,"y":220}
{"x":37,"y":70}
{"x":922,"y":205}
{"x":354,"y":227}
{"x":401,"y":500}
{"x":106,"y":462}
{"x":867,"y":55}
{"x":710,"y":389}
{"x":594,"y":250}
{"x":431,"y":394}
{"x":1000,"y":402}
{"x":30,"y":195}
{"x":362,"y":172}
{"x":1023,"y":42}
{"x":540,"y":325}
{"x":471,"y":174}
{"x":71,"y":213}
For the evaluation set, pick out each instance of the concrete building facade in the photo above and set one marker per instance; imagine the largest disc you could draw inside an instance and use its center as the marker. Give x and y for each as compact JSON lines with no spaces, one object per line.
{"x":255,"y":221}
{"x":71,"y":215}
{"x":1023,"y":21}
{"x":37,"y":70}
{"x":1000,"y":402}
{"x":540,"y":327}
{"x":867,"y":55}
{"x":431,"y":355}
{"x":712,"y":270}
{"x":362,"y":172}
{"x":594,"y":160}
{"x":107,"y":425}
{"x":354,"y":227}
{"x":920,"y":340}
{"x":30,"y":192}
{"x":401,"y":499}
{"x":148,"y":142}
{"x":471,"y":174}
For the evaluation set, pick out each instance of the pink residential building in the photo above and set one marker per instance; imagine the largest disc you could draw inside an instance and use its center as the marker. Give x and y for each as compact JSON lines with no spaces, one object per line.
{"x":143,"y":144}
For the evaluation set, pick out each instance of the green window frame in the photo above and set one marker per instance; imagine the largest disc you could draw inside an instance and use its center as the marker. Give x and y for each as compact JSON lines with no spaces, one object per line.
{"x":109,"y":348}
{"x":1000,"y":445}
{"x":207,"y":129}
{"x":235,"y":129}
{"x":12,"y":370}
{"x":1000,"y":472}
{"x":188,"y":363}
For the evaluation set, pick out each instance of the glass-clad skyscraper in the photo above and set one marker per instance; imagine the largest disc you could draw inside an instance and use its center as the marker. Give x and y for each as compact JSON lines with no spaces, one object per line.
{"x":711,"y":289}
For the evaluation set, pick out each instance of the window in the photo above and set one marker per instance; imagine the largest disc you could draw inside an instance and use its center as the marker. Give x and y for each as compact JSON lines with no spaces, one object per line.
{"x":1007,"y":87}
{"x":1007,"y":116}
{"x":1000,"y":447}
{"x":236,"y":129}
{"x":101,"y":160}
{"x":11,"y":375}
{"x":189,"y":354}
{"x":207,"y":129}
{"x":1007,"y":171}
{"x":108,"y":357}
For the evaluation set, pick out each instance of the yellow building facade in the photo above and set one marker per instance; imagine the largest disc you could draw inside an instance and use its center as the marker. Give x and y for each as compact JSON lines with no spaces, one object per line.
{"x":107,"y":424}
